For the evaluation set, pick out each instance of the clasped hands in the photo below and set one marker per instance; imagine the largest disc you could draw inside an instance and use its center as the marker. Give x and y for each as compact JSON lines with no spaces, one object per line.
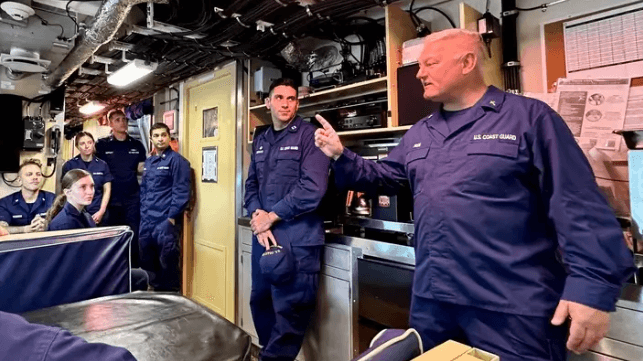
{"x":260,"y":224}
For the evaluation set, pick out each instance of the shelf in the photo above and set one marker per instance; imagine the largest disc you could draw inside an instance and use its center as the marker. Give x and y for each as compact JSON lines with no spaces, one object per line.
{"x":318,"y":99}
{"x":376,"y":131}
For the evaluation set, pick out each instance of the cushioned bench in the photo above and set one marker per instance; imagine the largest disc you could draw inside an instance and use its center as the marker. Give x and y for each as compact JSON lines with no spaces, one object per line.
{"x":39,"y":270}
{"x":152,"y":326}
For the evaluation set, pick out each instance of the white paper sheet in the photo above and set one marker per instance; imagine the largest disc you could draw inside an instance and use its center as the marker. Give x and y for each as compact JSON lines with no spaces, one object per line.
{"x":594,"y":108}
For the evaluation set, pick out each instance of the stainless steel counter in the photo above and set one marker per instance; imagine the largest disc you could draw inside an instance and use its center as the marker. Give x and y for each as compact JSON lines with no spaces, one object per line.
{"x":376,"y":249}
{"x":368,"y":247}
{"x":243,"y":221}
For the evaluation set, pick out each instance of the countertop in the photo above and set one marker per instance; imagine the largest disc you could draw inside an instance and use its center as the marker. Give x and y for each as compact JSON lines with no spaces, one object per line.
{"x":631,"y":295}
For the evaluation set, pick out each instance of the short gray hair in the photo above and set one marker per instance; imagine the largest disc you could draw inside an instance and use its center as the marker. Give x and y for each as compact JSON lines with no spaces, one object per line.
{"x":472,"y":38}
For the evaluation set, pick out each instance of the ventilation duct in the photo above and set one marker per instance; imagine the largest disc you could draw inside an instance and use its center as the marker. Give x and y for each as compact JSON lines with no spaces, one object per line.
{"x":107,"y":21}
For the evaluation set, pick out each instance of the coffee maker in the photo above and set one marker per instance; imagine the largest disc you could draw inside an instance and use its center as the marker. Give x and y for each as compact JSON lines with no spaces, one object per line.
{"x":379,"y":205}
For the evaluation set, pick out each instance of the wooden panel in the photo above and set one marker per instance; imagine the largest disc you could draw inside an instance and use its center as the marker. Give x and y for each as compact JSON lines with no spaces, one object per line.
{"x":554,"y":53}
{"x":492,"y":67}
{"x":399,"y":28}
{"x":210,"y":276}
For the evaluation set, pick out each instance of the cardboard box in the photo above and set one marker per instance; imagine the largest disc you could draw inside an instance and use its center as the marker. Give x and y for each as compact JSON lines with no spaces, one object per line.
{"x":455,"y":351}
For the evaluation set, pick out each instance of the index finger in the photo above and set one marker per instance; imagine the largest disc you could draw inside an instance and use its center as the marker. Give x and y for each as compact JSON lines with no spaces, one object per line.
{"x":272,"y":238}
{"x":323,"y":122}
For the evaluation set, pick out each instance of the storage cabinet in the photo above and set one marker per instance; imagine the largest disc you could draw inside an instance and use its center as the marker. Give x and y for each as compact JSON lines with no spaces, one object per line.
{"x":244,"y":281}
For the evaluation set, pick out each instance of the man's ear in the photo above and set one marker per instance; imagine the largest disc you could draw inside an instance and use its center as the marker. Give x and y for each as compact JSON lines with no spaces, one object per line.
{"x":267,"y":102}
{"x":469,"y":63}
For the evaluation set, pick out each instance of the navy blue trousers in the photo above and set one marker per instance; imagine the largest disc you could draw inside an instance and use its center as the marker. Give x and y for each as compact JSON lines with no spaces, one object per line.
{"x":161,"y":255}
{"x":127,"y":213}
{"x":281,"y":313}
{"x":512,"y":337}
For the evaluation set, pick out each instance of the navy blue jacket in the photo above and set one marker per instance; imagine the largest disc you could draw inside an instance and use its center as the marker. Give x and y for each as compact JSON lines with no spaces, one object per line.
{"x":15,"y":211}
{"x":123,"y":158}
{"x":21,"y":340}
{"x":100,"y":174}
{"x":288,"y":175}
{"x":165,"y":188}
{"x":496,"y":196}
{"x":70,"y":218}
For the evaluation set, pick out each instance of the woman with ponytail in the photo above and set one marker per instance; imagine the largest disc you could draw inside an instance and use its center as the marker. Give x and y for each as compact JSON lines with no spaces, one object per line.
{"x":68,"y":210}
{"x":99,"y":170}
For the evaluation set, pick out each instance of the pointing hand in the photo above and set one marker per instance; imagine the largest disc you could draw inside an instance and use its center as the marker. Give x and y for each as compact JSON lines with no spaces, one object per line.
{"x":327,"y":140}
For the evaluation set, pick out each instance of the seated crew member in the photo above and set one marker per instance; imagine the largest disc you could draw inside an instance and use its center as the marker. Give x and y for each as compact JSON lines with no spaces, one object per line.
{"x":68,"y":210}
{"x":21,"y":340}
{"x":24,"y":211}
{"x":100,"y":174}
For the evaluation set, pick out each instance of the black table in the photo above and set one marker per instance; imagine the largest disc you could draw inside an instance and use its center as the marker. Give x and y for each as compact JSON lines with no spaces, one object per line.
{"x":152,"y":326}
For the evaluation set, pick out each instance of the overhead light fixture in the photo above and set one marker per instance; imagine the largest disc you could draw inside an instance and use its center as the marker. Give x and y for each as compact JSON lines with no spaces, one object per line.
{"x":131,"y":72}
{"x":91,"y":107}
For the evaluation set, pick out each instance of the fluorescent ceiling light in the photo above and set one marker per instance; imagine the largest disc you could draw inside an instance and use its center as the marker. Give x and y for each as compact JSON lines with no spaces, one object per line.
{"x":131,"y":72}
{"x":91,"y":108}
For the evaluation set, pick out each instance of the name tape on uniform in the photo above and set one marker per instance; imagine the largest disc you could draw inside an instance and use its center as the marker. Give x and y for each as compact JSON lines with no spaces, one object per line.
{"x":494,"y":136}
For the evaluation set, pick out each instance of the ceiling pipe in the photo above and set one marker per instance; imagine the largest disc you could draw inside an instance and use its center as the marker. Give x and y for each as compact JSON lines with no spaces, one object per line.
{"x":108,"y":19}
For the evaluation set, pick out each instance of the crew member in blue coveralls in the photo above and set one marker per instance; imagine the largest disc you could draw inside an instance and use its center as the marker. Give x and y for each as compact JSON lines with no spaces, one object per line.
{"x":499,"y":186}
{"x":286,"y":181}
{"x":22,"y":340}
{"x":24,"y":211}
{"x":125,"y":156}
{"x":165,"y":192}
{"x":100,"y":174}
{"x":69,"y":209}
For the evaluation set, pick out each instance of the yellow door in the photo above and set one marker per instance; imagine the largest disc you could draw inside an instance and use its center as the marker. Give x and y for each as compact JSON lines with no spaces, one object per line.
{"x":210,"y":129}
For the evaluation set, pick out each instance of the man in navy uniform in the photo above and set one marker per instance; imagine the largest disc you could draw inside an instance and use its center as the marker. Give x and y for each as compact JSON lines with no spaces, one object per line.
{"x":286,"y":181}
{"x":24,"y":211}
{"x":124,"y":156}
{"x":165,"y":192}
{"x":21,"y":340}
{"x":501,"y":192}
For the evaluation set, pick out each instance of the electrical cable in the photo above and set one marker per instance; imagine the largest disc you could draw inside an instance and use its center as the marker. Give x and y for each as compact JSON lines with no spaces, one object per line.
{"x":542,"y":7}
{"x":69,"y":15}
{"x":10,"y":182}
{"x":53,"y":172}
{"x":46,"y":23}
